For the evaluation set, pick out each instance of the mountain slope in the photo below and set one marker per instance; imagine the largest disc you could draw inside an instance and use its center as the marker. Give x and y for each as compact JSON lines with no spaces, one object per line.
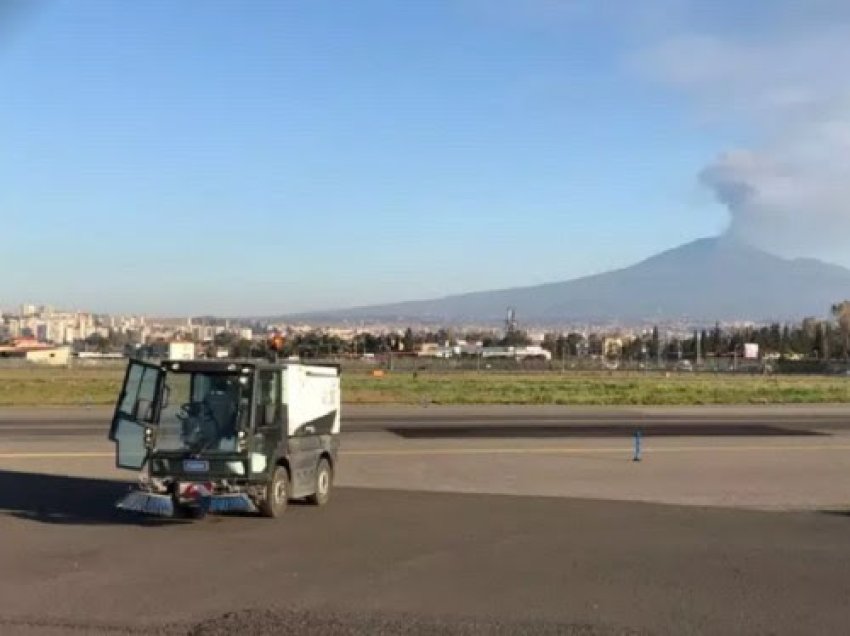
{"x":708,"y":279}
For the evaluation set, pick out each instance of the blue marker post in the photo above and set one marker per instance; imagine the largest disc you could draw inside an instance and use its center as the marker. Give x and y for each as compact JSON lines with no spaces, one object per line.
{"x":636,"y":457}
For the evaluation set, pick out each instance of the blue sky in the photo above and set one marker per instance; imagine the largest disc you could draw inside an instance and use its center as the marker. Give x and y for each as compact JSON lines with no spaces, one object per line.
{"x":267,"y":157}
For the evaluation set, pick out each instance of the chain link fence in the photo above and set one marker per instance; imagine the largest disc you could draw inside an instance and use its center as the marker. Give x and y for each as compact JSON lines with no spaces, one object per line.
{"x":726,"y":365}
{"x":407,"y":363}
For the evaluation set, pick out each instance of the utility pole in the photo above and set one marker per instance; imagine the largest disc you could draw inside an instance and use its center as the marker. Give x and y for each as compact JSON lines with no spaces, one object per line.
{"x":563,"y":342}
{"x":699,"y":347}
{"x":510,"y":321}
{"x":826,"y":334}
{"x":658,"y":353}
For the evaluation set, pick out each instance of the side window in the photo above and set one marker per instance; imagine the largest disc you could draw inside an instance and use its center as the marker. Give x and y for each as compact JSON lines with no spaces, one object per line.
{"x":140,"y":393}
{"x":147,"y":394}
{"x":131,"y":389}
{"x":268,"y":398}
{"x":170,"y":435}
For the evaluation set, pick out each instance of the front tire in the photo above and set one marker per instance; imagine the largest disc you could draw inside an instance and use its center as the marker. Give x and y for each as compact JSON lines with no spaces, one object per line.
{"x":324,"y":480}
{"x":276,"y":495}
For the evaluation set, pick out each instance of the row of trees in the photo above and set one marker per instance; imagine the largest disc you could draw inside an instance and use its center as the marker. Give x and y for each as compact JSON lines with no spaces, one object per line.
{"x":812,"y":340}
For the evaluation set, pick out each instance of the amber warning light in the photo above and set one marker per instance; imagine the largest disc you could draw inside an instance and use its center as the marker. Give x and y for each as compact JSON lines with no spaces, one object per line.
{"x":276,"y":342}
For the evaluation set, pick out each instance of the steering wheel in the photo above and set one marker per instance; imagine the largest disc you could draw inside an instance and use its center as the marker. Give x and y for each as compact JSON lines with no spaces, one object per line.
{"x":185,"y":411}
{"x":191,"y":410}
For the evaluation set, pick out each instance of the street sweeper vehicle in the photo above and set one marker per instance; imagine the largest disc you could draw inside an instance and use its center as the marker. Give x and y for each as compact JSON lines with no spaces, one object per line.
{"x":213,"y":436}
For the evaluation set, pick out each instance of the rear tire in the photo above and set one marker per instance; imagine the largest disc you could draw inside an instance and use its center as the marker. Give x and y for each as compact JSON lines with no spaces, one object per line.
{"x":276,"y":496}
{"x":324,"y":480}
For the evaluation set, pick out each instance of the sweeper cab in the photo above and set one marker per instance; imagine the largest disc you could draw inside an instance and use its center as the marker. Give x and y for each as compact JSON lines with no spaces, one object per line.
{"x":213,"y":436}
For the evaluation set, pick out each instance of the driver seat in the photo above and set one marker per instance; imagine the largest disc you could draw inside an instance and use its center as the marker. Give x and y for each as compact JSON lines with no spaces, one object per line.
{"x":222,"y":409}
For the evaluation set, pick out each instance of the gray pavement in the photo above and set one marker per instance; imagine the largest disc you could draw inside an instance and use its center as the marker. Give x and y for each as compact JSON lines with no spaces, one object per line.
{"x":409,"y":561}
{"x":448,"y":533}
{"x":797,"y":458}
{"x":16,"y":422}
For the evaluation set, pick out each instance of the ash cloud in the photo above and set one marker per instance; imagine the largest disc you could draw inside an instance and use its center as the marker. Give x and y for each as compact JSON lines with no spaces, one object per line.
{"x":782,"y":200}
{"x":785,"y":86}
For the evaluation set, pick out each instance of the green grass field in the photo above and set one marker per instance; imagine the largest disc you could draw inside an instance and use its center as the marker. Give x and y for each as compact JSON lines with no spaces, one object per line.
{"x":96,"y":386}
{"x":33,"y":386}
{"x":596,"y":389}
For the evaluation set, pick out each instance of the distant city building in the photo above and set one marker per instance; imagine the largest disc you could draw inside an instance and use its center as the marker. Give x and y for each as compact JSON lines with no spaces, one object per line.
{"x":612,"y":347}
{"x":435,"y":350}
{"x":31,"y":350}
{"x":181,"y":350}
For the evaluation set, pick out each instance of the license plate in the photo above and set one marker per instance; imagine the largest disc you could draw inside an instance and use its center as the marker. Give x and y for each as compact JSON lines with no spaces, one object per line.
{"x":196,"y":466}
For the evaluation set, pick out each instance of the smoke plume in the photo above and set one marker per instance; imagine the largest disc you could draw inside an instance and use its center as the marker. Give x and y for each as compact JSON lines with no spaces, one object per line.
{"x":783,"y":85}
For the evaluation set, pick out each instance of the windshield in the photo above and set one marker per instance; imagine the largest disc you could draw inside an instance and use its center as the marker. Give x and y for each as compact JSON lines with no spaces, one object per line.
{"x":204,"y":412}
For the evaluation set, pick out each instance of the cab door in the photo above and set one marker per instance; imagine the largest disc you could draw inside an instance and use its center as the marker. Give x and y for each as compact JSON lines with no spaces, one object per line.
{"x":136,"y":415}
{"x":268,"y":422}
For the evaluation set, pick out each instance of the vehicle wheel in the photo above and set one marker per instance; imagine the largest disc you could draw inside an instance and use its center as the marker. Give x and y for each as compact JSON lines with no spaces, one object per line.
{"x":189,"y":512}
{"x":276,"y":495}
{"x":324,"y":480}
{"x":185,"y":511}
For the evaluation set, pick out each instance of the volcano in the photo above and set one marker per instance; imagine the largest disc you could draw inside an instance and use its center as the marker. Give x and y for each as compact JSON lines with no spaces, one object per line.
{"x":705,"y":280}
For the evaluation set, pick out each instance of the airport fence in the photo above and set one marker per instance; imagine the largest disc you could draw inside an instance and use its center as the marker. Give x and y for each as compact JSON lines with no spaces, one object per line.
{"x":726,"y":365}
{"x":412,"y":364}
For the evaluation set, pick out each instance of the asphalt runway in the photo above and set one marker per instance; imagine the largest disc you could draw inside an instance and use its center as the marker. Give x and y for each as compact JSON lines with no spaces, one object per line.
{"x":493,"y":520}
{"x":499,"y":421}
